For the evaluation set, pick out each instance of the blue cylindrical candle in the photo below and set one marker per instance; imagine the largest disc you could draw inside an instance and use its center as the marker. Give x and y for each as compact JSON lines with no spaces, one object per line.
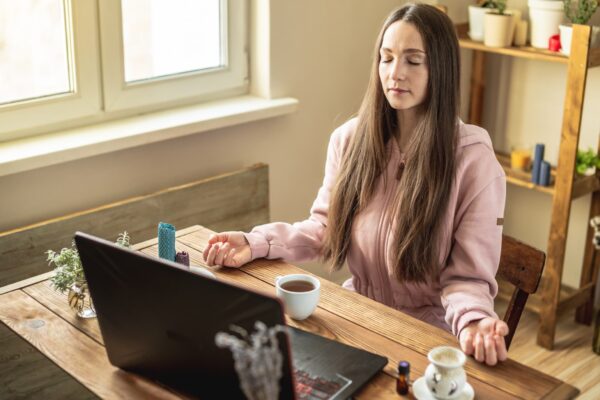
{"x":545,"y":173}
{"x":539,"y":152}
{"x":535,"y":172}
{"x":537,"y":163}
{"x":166,"y":241}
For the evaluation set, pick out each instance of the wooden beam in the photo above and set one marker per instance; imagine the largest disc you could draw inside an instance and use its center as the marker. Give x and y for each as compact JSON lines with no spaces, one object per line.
{"x":561,"y":205}
{"x":477,"y":88}
{"x":575,"y":299}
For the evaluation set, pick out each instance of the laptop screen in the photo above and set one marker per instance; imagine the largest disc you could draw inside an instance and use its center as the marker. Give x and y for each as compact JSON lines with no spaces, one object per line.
{"x":161,"y":321}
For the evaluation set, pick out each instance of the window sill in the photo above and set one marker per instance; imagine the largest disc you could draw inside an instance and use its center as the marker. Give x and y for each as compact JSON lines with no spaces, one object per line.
{"x":54,"y":148}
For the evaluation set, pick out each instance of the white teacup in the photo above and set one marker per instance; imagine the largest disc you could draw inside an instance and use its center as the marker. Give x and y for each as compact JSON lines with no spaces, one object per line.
{"x":445,"y":376}
{"x":300,"y":294}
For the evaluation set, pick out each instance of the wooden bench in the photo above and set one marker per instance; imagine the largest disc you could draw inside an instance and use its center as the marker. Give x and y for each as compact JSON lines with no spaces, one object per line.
{"x":237,"y":200}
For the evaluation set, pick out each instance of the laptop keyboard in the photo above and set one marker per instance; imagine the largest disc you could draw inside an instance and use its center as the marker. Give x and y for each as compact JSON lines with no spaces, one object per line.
{"x":310,"y":387}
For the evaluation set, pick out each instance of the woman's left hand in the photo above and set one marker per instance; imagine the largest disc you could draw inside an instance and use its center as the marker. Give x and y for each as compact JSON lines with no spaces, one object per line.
{"x":484,"y":339}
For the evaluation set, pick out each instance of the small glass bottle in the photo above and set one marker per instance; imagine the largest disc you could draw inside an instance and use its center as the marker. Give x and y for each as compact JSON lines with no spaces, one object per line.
{"x":403,"y":377}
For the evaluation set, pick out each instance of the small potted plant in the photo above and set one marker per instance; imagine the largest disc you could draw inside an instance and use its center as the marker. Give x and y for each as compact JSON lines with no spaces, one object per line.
{"x":587,"y":162}
{"x":69,"y":277}
{"x":476,"y":13}
{"x":498,"y":26}
{"x":577,"y":12}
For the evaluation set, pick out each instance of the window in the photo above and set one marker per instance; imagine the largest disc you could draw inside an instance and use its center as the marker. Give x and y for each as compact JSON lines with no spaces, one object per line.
{"x":67,"y":62}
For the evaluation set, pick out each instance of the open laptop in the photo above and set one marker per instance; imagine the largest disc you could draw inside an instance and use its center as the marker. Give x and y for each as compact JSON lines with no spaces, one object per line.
{"x":160,"y":320}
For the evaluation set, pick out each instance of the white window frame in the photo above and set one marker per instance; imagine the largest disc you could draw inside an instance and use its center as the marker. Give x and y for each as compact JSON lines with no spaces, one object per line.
{"x":25,"y":117}
{"x":99,"y":75}
{"x":231,"y":79}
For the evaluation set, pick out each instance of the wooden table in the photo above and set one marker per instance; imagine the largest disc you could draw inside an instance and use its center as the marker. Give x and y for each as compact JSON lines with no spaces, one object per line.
{"x":42,"y":317}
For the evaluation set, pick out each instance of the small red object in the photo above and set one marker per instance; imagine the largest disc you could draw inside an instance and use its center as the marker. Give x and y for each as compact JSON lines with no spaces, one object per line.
{"x":554,"y":43}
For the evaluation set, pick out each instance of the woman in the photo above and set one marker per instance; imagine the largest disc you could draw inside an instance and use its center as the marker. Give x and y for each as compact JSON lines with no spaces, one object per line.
{"x":412,"y":198}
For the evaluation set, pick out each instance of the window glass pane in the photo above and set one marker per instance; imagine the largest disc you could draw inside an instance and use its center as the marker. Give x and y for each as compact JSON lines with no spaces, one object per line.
{"x":33,"y":50}
{"x":168,"y":37}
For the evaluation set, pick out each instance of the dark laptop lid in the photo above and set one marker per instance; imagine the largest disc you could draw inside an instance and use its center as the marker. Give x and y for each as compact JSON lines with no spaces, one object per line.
{"x":160,"y":320}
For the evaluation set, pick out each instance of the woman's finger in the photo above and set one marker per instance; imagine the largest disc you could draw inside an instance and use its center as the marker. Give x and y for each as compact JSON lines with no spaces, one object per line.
{"x":478,"y":344}
{"x":205,"y":252}
{"x":490,"y":350}
{"x":210,"y":261}
{"x":501,"y":347}
{"x":466,"y":343}
{"x":501,"y":328}
{"x":224,"y":249}
{"x":230,"y":261}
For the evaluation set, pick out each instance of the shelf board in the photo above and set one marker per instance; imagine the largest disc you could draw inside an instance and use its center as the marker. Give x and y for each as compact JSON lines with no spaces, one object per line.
{"x":582,"y":185}
{"x":521,"y":51}
{"x":529,"y":52}
{"x":521,"y":178}
{"x":585,"y":185}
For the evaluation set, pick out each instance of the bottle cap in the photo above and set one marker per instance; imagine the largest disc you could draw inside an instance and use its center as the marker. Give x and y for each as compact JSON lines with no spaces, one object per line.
{"x":403,"y":367}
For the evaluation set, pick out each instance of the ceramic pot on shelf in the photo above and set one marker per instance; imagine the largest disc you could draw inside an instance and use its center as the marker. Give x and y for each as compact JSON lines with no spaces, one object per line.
{"x":545,"y":16}
{"x":566,"y":36}
{"x":498,"y":29}
{"x":476,"y":14}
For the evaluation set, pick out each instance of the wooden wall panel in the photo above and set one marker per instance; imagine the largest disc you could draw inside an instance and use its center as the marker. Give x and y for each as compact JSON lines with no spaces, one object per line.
{"x":234,"y":201}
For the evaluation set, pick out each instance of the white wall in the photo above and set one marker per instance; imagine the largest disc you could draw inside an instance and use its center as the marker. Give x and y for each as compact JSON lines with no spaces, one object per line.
{"x":320,"y":54}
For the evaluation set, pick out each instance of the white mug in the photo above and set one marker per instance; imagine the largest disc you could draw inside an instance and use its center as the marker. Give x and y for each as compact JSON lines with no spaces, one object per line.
{"x":300,"y":294}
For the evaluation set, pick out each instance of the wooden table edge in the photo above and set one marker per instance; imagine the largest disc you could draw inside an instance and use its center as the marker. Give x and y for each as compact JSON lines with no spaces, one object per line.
{"x":26,"y":282}
{"x":563,"y":391}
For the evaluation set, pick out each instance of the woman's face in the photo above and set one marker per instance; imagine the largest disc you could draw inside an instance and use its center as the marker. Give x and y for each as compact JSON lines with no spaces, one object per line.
{"x":403,"y":67}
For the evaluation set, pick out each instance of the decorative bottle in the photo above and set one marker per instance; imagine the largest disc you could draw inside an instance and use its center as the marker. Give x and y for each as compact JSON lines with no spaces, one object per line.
{"x":403,"y":377}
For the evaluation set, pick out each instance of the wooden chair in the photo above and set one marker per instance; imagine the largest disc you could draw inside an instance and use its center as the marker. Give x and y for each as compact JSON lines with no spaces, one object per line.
{"x":521,"y":265}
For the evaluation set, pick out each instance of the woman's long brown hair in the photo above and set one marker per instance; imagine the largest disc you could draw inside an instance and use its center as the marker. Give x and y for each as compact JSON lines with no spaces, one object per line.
{"x":422,"y":194}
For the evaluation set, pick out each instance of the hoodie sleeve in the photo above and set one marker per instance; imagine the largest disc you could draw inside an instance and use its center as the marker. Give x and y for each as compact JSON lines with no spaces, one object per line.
{"x":301,"y":241}
{"x":468,"y":279}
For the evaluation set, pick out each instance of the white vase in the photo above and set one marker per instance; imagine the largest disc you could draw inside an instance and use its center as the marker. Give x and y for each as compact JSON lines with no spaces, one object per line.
{"x":545,"y":17}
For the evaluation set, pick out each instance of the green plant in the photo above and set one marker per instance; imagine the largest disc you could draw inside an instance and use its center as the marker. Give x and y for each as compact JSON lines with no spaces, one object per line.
{"x":67,"y":265}
{"x":499,"y":5}
{"x":586,"y":160}
{"x":579,"y":11}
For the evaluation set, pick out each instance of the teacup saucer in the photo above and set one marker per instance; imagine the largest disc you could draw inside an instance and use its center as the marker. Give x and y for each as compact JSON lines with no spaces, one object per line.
{"x":421,"y":391}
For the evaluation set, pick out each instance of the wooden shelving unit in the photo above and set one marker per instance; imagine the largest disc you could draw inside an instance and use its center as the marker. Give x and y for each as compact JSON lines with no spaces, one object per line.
{"x":553,"y":298}
{"x":582,"y":185}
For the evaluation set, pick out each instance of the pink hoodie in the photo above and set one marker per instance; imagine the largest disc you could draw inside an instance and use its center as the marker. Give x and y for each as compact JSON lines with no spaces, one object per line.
{"x":470,"y":239}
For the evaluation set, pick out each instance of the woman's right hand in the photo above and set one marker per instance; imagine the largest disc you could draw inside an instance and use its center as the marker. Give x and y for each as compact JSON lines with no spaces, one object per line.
{"x":229,"y":249}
